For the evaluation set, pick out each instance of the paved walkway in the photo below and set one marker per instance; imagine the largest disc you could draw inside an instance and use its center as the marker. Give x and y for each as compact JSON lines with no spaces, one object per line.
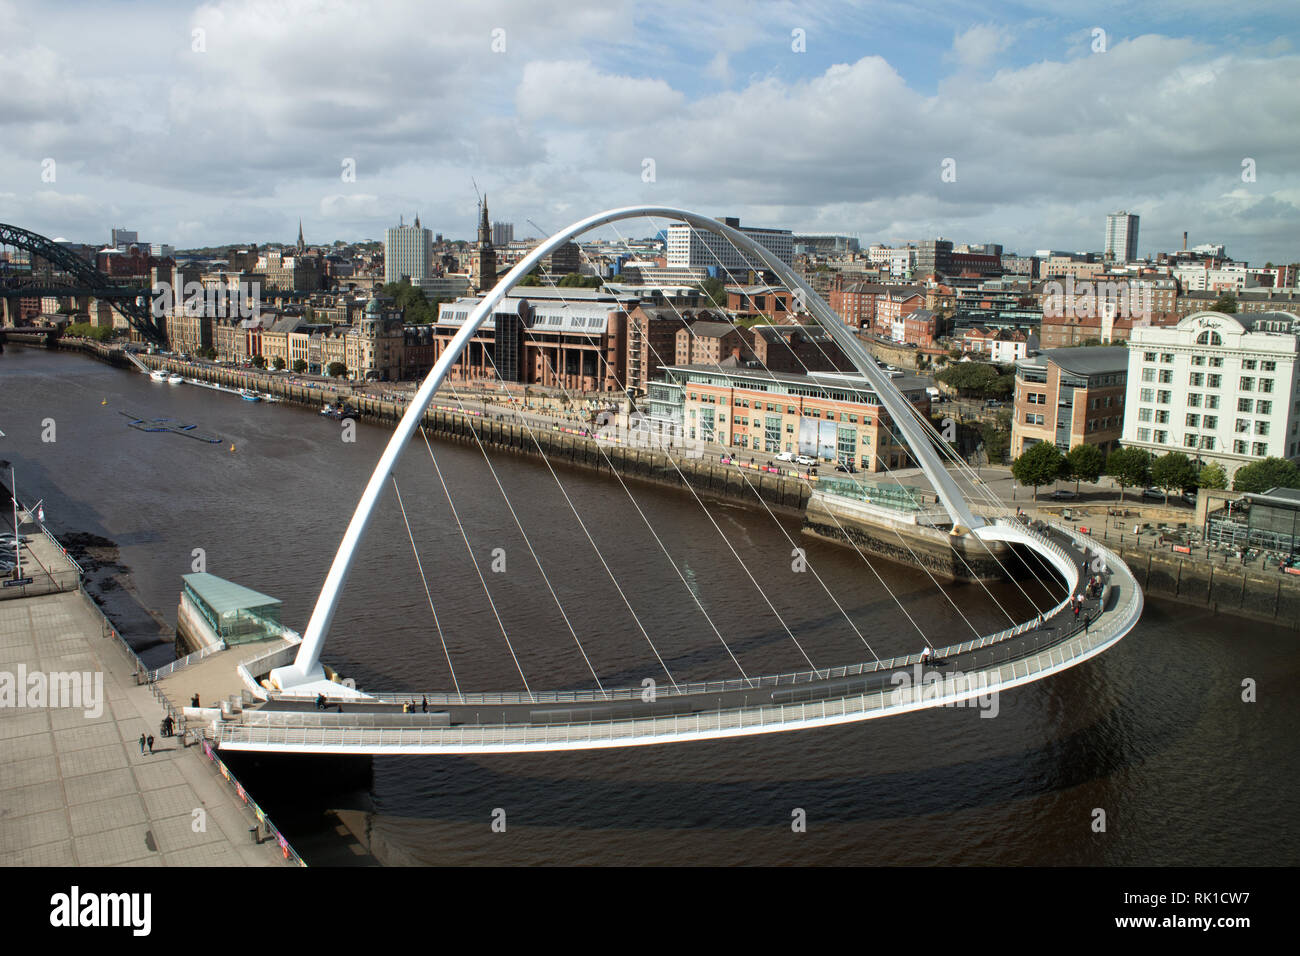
{"x":74,"y":788}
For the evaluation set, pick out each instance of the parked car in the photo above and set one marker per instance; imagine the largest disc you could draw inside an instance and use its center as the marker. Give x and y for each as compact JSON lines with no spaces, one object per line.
{"x":785,"y":456}
{"x":1154,"y":493}
{"x":1064,"y":494}
{"x":804,"y":460}
{"x":846,"y":467}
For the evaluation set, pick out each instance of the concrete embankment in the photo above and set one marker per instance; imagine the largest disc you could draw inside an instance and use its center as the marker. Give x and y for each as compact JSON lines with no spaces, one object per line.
{"x":902,"y":538}
{"x":1246,"y":592}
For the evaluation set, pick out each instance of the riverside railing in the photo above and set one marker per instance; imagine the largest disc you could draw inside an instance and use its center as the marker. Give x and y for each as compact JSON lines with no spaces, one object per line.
{"x":262,"y":819}
{"x":188,"y":659}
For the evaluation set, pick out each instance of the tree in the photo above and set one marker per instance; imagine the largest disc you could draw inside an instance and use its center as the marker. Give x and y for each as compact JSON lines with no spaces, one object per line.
{"x":715,"y":290}
{"x":1173,"y":470}
{"x":969,"y":377}
{"x":1129,"y":467}
{"x":996,"y":436}
{"x":299,"y":366}
{"x":336,"y":370}
{"x":1212,"y":476}
{"x":1260,"y":476}
{"x":278,"y":363}
{"x":1226,"y":303}
{"x":1042,"y":464}
{"x":1085,"y":463}
{"x":259,"y":361}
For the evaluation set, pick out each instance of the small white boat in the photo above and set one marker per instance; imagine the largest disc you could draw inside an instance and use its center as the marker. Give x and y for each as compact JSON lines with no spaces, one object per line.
{"x":175,"y":379}
{"x":248,"y":395}
{"x":158,"y":375}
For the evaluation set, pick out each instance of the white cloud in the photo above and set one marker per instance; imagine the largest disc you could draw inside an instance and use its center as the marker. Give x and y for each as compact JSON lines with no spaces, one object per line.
{"x":578,"y":93}
{"x":980,"y":44}
{"x":242,"y":139}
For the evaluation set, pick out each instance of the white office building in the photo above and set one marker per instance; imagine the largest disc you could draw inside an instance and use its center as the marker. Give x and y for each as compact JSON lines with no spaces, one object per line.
{"x":408,"y":251}
{"x":692,"y":248}
{"x":1122,"y":236}
{"x":1219,"y":388}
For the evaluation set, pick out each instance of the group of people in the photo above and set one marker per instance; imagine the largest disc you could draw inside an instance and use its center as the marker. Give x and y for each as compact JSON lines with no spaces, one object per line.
{"x":409,"y":706}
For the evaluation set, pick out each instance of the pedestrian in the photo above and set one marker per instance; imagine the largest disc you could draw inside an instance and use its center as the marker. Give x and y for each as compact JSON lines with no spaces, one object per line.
{"x":142,"y":745}
{"x":424,"y":705}
{"x":320,"y":701}
{"x":1076,"y":611}
{"x":151,"y":745}
{"x":194,"y":701}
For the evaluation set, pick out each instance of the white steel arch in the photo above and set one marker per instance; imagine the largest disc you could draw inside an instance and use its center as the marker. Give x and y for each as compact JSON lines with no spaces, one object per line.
{"x":306,"y":668}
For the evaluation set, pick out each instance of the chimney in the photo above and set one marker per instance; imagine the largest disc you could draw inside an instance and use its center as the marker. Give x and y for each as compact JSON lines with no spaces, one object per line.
{"x":1184,"y":240}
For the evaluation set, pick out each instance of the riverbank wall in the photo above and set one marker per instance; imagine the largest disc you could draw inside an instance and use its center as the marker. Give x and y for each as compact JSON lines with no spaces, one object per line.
{"x":1266,"y":596}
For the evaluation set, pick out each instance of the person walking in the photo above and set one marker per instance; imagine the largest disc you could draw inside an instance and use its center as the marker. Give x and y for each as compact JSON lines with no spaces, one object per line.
{"x":142,"y":740}
{"x":151,"y":745}
{"x":424,"y":705}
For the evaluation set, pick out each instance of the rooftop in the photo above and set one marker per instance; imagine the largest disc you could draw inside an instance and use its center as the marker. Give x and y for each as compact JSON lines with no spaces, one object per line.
{"x":1088,"y":359}
{"x":225,"y":596}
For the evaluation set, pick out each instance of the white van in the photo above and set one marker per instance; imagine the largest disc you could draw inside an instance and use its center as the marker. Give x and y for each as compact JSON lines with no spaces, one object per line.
{"x":785,"y":456}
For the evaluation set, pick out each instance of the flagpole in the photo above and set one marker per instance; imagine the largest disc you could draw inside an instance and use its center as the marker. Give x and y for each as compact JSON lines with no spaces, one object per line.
{"x":18,"y":548}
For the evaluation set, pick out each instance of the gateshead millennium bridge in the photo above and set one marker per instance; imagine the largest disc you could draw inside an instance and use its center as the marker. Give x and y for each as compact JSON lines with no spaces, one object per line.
{"x":286,"y":682}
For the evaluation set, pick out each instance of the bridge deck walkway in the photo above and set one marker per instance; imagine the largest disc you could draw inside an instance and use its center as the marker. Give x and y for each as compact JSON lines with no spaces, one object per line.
{"x":1053,"y":630}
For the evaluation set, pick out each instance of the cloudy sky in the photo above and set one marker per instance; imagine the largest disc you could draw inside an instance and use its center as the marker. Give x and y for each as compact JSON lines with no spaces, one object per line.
{"x":228,"y":121}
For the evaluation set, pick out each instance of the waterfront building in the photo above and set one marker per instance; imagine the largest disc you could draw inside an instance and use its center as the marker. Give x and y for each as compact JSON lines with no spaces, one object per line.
{"x":1070,"y":397}
{"x":215,"y":611}
{"x":826,"y":415}
{"x":1220,"y":388}
{"x":572,"y":341}
{"x":797,"y":349}
{"x":380,"y":341}
{"x":652,"y":340}
{"x":708,"y":343}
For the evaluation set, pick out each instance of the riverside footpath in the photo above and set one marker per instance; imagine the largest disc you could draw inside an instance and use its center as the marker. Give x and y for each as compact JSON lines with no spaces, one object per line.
{"x":76,"y":788}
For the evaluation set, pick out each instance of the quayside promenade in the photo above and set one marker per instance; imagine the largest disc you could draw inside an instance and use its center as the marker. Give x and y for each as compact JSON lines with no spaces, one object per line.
{"x":75,"y":789}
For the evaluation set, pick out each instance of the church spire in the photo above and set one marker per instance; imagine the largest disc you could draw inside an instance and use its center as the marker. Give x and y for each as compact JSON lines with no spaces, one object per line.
{"x":417,"y":220}
{"x":302,"y":246}
{"x":484,"y":230}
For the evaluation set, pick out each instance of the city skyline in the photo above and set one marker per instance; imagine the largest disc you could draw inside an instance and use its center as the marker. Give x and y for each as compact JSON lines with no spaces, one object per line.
{"x":816,"y":118}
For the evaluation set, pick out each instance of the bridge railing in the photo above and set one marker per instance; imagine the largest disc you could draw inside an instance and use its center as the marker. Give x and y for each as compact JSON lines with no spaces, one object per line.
{"x":952,"y":689}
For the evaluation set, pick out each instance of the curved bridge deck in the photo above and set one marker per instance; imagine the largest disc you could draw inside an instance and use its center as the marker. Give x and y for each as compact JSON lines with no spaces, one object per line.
{"x":575,"y":720}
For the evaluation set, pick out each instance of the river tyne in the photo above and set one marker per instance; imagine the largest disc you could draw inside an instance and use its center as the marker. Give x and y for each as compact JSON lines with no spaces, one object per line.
{"x":1154,"y":731}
